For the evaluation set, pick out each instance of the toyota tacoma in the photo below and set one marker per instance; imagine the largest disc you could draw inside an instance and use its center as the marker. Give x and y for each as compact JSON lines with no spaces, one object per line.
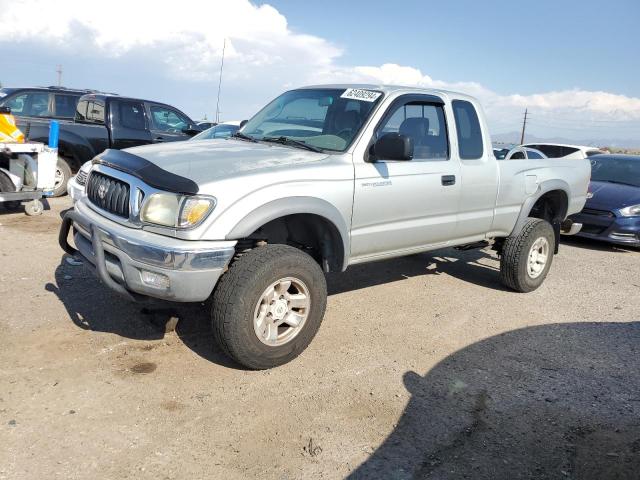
{"x":322,"y":178}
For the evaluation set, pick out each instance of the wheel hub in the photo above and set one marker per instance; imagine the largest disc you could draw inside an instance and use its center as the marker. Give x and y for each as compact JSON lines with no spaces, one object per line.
{"x":538,"y":257}
{"x":281,"y":311}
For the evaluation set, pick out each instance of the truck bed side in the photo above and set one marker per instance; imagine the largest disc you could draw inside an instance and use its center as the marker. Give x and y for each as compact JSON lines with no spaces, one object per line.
{"x":523,"y":182}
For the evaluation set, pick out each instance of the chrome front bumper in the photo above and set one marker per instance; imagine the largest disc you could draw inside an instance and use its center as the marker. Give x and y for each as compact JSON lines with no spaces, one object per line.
{"x":139,"y":264}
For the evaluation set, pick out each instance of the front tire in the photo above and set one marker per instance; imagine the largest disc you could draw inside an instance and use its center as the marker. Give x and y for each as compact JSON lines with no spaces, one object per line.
{"x":527,"y":257}
{"x":63,"y":174}
{"x":268,"y":306}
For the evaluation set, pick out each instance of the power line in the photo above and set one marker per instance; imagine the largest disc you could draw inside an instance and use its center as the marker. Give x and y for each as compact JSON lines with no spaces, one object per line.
{"x":224,"y":46}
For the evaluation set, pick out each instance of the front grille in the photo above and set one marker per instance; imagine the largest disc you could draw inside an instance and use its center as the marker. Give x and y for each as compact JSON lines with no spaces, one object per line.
{"x":109,"y":193}
{"x":598,"y":213}
{"x":81,"y":178}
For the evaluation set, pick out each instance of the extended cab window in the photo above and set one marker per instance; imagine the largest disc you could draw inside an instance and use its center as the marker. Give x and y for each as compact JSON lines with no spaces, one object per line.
{"x":132,"y":115}
{"x":81,"y":111}
{"x":95,"y":111}
{"x":425,"y":123}
{"x":90,"y":111}
{"x":168,"y":120}
{"x":468,"y":128}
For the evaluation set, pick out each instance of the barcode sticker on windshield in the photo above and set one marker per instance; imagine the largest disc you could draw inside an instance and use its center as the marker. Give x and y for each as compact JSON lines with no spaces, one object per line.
{"x":359,"y":94}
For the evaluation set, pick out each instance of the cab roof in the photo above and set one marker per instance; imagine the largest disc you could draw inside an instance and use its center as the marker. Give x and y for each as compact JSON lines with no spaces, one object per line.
{"x":389,"y":89}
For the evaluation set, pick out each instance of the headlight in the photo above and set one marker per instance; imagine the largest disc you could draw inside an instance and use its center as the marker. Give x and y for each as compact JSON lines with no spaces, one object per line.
{"x":176,"y":211}
{"x":630,"y":211}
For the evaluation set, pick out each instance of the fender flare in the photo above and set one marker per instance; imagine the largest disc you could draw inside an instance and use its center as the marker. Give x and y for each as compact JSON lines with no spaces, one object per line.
{"x":292,"y":206}
{"x":529,"y":202}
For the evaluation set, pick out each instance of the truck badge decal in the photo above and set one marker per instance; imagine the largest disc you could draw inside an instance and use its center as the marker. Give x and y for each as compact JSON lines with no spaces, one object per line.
{"x":384,"y":183}
{"x":360,"y":94}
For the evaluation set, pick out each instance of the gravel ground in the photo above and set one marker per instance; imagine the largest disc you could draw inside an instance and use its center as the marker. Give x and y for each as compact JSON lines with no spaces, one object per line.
{"x":425,"y":367}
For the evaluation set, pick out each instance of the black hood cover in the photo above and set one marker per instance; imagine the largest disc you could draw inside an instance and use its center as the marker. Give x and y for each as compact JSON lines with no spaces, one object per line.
{"x":146,"y":171}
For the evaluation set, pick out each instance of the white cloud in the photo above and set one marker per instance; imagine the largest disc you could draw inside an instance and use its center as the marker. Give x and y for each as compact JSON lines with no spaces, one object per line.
{"x":263,"y":56}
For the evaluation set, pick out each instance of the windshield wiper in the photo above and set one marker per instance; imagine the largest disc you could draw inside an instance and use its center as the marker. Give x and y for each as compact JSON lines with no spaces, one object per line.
{"x":242,"y":136}
{"x":290,"y":141}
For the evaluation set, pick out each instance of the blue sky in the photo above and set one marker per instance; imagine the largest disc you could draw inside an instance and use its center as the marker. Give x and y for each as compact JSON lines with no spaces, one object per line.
{"x":573,"y":64}
{"x":509,"y":46}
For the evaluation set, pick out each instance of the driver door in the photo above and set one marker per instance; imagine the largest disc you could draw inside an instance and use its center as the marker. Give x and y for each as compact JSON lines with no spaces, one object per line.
{"x":401,"y":206}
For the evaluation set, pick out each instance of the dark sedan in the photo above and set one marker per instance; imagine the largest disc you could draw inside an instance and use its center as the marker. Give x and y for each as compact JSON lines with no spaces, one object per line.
{"x":612,"y":211}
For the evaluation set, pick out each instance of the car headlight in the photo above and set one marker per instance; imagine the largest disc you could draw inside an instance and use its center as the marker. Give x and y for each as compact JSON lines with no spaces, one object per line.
{"x":630,"y":211}
{"x":177,"y":211}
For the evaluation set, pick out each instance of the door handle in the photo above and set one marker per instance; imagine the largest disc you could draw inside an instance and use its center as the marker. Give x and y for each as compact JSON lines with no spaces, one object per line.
{"x":448,"y":180}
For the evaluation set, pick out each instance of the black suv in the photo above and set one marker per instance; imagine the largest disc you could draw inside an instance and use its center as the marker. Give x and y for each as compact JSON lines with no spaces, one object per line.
{"x":42,"y":102}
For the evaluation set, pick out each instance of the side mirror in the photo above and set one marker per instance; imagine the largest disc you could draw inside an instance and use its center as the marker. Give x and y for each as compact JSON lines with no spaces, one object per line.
{"x":393,"y":146}
{"x":191,"y":129}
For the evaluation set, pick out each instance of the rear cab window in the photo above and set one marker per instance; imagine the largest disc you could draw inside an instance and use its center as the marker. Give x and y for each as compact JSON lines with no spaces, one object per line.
{"x":470,"y":140}
{"x":65,"y":105}
{"x":90,"y":111}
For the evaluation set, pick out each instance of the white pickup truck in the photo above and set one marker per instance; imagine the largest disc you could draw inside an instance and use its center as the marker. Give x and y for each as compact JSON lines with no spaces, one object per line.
{"x":321,"y":178}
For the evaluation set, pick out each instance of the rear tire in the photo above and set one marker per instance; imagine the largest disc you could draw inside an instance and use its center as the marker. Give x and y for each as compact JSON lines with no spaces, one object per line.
{"x":63,"y":174}
{"x":527,"y":257}
{"x":273,"y":283}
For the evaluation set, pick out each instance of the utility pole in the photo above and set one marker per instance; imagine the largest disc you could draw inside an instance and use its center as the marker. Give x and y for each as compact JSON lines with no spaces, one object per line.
{"x":224,"y":46}
{"x":59,"y":72}
{"x":524,"y":125}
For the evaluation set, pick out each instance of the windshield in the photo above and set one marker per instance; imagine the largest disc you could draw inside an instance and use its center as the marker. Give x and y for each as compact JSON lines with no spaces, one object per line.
{"x":4,"y":92}
{"x":219,"y":131}
{"x":325,"y":118}
{"x":617,"y":170}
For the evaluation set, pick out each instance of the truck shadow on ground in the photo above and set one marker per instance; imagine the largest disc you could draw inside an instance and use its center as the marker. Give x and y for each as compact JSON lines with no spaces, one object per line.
{"x":479,"y":267}
{"x":557,"y":401}
{"x":91,"y":306}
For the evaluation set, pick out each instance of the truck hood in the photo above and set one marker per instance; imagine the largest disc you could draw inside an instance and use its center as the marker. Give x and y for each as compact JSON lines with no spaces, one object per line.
{"x":204,"y":161}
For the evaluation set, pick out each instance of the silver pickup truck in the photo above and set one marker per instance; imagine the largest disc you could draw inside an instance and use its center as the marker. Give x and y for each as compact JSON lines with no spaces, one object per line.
{"x":321,"y":178}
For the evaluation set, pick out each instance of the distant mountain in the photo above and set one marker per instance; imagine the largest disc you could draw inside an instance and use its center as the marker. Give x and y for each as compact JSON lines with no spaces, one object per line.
{"x":514,"y":137}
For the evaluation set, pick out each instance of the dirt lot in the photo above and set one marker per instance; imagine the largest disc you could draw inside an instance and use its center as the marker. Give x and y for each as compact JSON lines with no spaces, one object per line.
{"x":425,"y":367}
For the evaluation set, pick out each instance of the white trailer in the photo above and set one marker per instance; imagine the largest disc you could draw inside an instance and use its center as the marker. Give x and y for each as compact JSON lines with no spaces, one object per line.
{"x":27,"y":175}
